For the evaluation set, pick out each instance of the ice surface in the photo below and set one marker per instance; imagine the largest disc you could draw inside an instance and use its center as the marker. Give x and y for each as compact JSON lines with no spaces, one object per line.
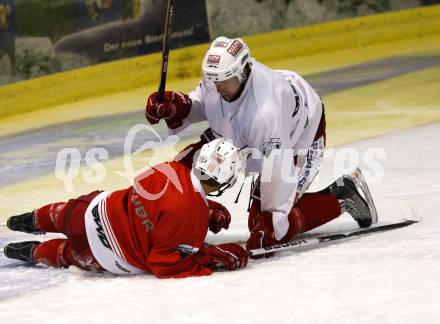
{"x":391,"y":277}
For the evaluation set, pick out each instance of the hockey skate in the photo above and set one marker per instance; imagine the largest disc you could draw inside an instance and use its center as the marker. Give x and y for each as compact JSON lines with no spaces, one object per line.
{"x":23,"y":223}
{"x":355,"y":198}
{"x":23,"y":251}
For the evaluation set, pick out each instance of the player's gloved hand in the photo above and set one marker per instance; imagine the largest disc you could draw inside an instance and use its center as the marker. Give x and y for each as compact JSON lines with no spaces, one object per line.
{"x":262,"y":233}
{"x":231,"y":256}
{"x":219,"y":216}
{"x":176,"y":106}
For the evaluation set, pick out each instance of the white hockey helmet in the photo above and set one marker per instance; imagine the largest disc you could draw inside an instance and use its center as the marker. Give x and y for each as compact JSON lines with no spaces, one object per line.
{"x":221,"y":161}
{"x":225,"y":59}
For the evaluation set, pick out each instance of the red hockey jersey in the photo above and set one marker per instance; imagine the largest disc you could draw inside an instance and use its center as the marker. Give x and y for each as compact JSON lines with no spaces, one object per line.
{"x":157,"y":225}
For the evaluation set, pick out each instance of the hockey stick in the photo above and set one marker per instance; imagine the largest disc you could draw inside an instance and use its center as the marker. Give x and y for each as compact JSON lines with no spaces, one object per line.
{"x":165,"y":49}
{"x":327,"y":238}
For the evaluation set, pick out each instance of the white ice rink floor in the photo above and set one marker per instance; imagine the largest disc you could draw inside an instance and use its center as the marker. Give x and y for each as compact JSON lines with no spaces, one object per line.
{"x":391,"y":277}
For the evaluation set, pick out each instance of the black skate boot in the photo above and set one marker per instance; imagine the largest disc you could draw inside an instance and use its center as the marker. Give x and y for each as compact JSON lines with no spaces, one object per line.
{"x":23,"y":251}
{"x":361,"y":208}
{"x":23,"y":223}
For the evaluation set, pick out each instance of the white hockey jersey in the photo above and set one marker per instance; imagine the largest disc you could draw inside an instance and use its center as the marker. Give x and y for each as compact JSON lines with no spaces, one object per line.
{"x":277,"y":111}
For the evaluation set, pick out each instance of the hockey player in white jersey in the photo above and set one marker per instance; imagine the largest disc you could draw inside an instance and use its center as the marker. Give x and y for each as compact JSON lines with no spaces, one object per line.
{"x":279,"y":118}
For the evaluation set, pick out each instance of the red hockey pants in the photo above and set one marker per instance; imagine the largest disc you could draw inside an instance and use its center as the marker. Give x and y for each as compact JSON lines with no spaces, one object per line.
{"x":68,"y":219}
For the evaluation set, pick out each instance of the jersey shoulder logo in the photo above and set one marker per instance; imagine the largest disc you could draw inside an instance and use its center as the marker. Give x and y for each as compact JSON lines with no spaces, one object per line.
{"x":274,"y":143}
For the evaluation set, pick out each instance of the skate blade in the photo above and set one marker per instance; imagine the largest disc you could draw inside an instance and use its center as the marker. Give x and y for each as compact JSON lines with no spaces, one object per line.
{"x":360,"y":182}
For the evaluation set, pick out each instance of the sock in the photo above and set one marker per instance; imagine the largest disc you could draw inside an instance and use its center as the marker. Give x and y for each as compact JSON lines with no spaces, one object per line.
{"x":311,"y":211}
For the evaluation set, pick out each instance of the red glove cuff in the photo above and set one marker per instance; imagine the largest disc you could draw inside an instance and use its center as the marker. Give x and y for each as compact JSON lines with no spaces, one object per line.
{"x":261,"y":228}
{"x":219,"y":216}
{"x":231,"y":256}
{"x":175,"y":107}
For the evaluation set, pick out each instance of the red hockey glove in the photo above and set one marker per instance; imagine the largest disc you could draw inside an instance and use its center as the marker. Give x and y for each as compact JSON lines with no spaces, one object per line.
{"x":231,"y":256}
{"x":219,"y":216}
{"x":262,"y":233}
{"x":176,"y":106}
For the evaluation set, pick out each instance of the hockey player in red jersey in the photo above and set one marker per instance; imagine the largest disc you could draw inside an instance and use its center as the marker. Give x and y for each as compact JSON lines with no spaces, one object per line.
{"x":158,"y":225}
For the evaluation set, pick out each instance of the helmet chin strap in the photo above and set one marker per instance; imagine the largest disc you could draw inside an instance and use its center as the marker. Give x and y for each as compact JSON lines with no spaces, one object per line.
{"x":220,"y":190}
{"x":228,"y":184}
